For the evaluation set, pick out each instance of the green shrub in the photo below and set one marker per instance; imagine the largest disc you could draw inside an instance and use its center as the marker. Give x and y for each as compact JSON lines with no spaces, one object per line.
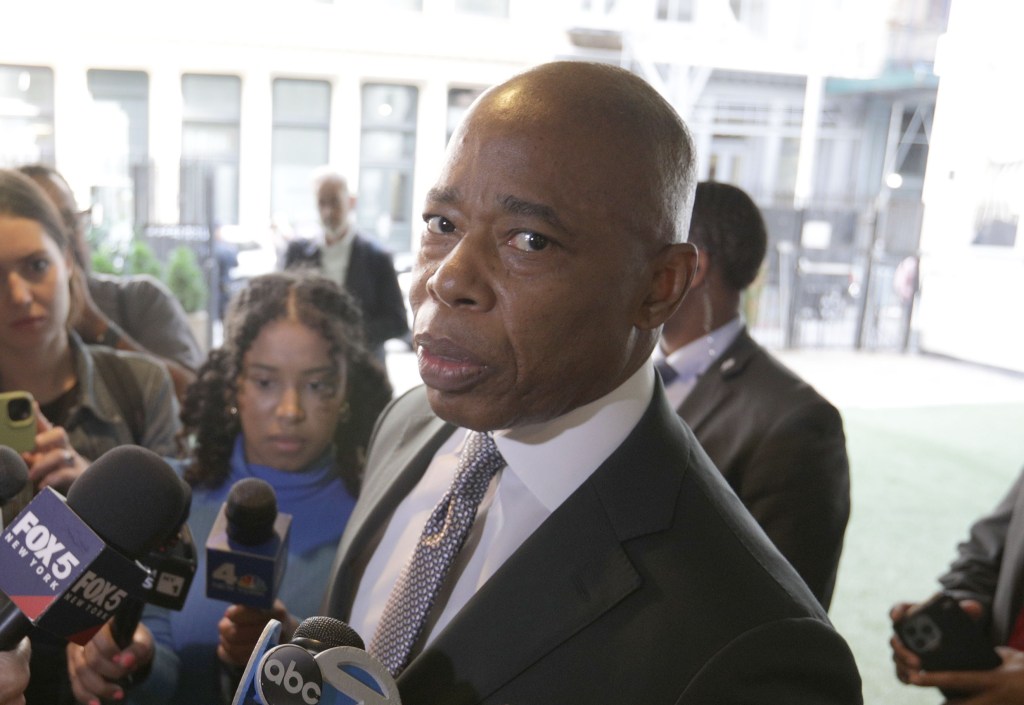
{"x":141,"y":260}
{"x":185,"y":279}
{"x":103,"y":261}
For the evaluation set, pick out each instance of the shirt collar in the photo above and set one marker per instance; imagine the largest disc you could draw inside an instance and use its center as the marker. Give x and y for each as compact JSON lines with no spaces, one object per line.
{"x":554,"y":458}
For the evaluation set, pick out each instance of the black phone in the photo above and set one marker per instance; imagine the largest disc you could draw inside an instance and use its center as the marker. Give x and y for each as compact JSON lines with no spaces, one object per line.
{"x":946,"y":638}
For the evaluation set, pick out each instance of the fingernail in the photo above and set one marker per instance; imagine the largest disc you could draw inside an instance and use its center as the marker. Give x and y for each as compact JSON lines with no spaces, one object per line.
{"x":94,"y":701}
{"x":119,"y":695}
{"x":116,"y":658}
{"x":128,"y":660}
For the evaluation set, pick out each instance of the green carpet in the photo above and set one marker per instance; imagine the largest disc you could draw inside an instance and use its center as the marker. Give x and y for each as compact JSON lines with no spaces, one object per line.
{"x":919,"y":477}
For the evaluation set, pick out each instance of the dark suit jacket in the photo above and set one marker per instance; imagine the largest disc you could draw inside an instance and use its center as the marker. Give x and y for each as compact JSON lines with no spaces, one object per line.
{"x":781,"y":447}
{"x":990,"y":565}
{"x":371,"y":280}
{"x":650,"y":584}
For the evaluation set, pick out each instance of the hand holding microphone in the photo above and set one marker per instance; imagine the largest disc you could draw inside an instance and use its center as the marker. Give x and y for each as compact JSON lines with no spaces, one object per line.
{"x":240,"y":629}
{"x":99,"y":669}
{"x":14,"y":673}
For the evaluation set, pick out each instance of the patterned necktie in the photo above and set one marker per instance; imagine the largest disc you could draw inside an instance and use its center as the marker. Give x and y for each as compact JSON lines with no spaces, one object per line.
{"x":446,"y":530}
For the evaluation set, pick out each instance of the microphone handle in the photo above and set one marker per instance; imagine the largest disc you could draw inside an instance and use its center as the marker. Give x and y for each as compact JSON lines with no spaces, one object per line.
{"x":125,"y":620}
{"x":122,"y":627}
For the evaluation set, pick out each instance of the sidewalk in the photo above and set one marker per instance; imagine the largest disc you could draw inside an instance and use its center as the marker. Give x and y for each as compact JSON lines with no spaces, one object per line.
{"x":851,"y":379}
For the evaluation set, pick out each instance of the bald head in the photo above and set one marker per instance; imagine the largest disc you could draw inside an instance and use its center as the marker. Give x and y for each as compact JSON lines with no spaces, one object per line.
{"x":334,"y":203}
{"x":617,"y":124}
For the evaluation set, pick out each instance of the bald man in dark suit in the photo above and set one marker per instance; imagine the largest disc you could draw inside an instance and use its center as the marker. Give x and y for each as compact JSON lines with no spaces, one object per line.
{"x":608,"y":562}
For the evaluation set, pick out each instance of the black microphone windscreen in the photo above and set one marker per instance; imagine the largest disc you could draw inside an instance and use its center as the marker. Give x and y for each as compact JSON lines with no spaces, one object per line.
{"x":329,"y":632}
{"x":187,"y":491}
{"x":250,"y":510}
{"x":131,"y":498}
{"x":13,"y":473}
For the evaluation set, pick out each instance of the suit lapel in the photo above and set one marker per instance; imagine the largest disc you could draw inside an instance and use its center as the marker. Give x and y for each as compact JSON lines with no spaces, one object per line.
{"x":712,"y":388}
{"x":570,"y":572}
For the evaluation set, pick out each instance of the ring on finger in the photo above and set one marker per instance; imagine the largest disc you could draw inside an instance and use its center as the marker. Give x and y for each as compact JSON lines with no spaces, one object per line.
{"x":69,"y":458}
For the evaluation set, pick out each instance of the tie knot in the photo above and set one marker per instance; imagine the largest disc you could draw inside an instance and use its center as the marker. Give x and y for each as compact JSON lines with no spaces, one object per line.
{"x":478,"y":462}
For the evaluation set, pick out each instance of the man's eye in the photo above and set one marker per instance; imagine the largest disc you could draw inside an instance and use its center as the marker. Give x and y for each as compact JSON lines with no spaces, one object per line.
{"x":529,"y":241}
{"x":439,"y":224}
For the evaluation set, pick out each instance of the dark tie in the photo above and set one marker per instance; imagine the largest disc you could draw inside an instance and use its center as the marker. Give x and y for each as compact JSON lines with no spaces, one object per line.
{"x":667,"y":372}
{"x":414,"y":594}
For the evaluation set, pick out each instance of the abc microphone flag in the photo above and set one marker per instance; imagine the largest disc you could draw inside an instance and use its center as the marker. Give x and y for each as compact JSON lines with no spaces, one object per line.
{"x":324,"y":664}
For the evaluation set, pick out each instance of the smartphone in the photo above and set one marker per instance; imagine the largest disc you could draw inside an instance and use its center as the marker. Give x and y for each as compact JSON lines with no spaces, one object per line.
{"x":17,"y":421}
{"x":946,"y":638}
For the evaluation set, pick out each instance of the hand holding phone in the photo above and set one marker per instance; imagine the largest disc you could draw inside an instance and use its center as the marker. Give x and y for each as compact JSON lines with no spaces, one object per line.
{"x":945,"y":637}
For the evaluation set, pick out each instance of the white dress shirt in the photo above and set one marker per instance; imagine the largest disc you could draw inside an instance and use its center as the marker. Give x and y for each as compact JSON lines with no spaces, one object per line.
{"x":545,"y":464}
{"x":334,"y":258}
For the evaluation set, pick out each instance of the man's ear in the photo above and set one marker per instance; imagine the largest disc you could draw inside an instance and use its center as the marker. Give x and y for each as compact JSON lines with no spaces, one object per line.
{"x":672,"y":275}
{"x":703,"y":268}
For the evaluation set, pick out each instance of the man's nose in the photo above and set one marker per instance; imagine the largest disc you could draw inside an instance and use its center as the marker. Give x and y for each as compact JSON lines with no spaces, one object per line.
{"x":462,"y":278}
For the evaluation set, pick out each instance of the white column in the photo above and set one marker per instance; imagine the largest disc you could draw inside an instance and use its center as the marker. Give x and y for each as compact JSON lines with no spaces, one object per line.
{"x":256,"y":134}
{"x":808,"y":141}
{"x":165,"y":106}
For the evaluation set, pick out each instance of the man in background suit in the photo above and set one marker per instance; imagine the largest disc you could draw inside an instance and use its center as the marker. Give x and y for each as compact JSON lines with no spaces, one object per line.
{"x":779,"y":443}
{"x":608,"y":561}
{"x":355,"y":261}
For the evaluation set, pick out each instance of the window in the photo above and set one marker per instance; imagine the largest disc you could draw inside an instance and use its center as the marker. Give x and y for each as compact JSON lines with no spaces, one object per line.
{"x":998,"y":216}
{"x":300,"y":144}
{"x":26,"y":115}
{"x":120,"y":171}
{"x":387,"y":160}
{"x":211,"y":116}
{"x":675,"y":10}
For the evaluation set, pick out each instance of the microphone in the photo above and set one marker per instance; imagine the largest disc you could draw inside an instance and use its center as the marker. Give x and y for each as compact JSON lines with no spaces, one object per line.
{"x":247,"y":550}
{"x":13,"y":475}
{"x":171,"y":566}
{"x":324,"y":663}
{"x":68,"y":565}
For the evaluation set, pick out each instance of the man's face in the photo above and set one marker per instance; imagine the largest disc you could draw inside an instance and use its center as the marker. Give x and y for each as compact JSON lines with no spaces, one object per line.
{"x":527,"y":285}
{"x":333,"y":203}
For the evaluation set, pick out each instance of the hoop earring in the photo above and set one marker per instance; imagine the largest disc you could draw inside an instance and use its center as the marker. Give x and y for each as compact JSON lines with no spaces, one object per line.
{"x":232,"y":410}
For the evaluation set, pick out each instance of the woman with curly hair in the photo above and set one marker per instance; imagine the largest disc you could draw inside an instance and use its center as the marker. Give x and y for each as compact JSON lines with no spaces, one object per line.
{"x":290,"y":398}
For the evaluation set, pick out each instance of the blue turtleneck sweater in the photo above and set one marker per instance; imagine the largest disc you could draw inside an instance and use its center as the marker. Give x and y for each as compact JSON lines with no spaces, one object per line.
{"x":185,"y":666}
